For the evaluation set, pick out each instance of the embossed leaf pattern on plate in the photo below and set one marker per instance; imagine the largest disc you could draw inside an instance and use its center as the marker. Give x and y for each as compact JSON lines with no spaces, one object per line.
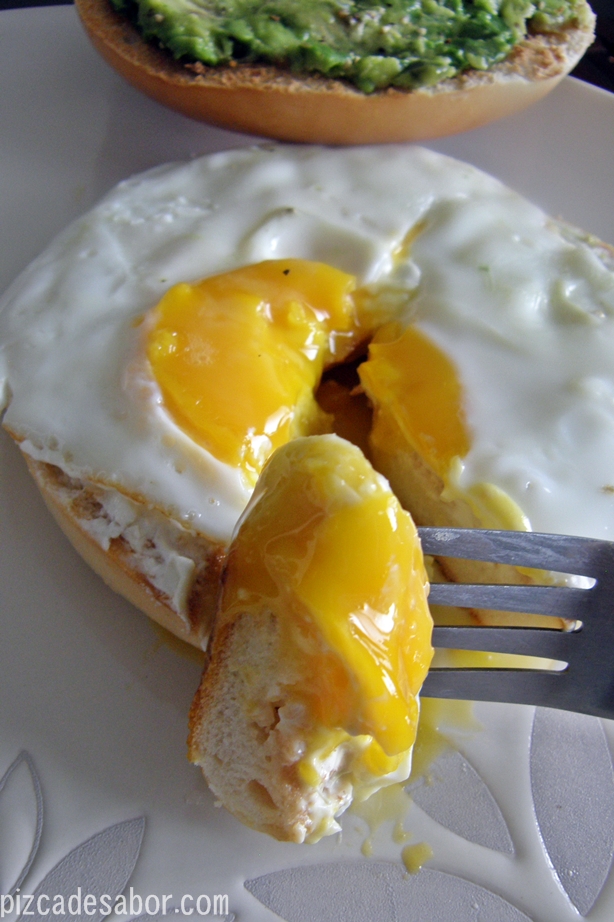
{"x":21,"y":821}
{"x":367,"y":891}
{"x":456,"y":796}
{"x":572,"y":781}
{"x":103,"y":864}
{"x":572,"y":784}
{"x":97,"y":870}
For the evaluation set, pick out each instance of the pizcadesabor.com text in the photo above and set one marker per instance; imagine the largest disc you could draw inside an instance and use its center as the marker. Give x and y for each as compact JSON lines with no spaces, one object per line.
{"x":130,"y":905}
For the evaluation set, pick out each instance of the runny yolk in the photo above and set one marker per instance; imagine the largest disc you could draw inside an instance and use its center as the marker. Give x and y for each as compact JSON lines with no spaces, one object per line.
{"x":417,"y":384}
{"x":419,"y":403}
{"x":237,"y":356}
{"x":325,"y":545}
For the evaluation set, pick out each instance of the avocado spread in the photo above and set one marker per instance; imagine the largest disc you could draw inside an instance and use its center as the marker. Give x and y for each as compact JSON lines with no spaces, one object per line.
{"x":400,"y":43}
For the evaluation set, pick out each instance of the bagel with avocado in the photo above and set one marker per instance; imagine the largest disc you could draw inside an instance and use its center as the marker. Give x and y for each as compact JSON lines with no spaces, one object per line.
{"x":342,"y":71}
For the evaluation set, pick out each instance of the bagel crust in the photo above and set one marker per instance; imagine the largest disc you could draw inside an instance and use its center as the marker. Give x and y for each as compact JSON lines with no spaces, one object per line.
{"x":78,"y":510}
{"x":270,"y":102}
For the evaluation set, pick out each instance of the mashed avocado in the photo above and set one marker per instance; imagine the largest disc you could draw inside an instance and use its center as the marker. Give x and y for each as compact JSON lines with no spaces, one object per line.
{"x":402,"y":43}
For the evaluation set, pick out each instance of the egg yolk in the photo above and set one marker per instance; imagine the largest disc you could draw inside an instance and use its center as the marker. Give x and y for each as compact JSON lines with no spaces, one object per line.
{"x":237,"y":356}
{"x":418,"y":384}
{"x":418,"y":402}
{"x":325,"y":545}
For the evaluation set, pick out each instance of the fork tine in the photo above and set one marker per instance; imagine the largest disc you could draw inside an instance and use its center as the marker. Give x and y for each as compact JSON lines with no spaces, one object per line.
{"x":559,"y":601}
{"x":514,"y":686}
{"x":544,"y":642}
{"x":561,"y":553}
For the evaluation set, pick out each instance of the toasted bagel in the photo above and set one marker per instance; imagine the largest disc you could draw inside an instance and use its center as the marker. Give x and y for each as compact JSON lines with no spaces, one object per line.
{"x":268,"y":101}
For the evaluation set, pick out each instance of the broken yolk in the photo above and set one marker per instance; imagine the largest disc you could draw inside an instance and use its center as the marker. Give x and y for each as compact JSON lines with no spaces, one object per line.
{"x":325,"y":545}
{"x":418,"y":401}
{"x":237,"y":356}
{"x":418,"y":385}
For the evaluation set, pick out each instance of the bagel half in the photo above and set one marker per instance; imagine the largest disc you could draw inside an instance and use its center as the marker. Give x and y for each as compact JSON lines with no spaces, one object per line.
{"x":270,"y":102}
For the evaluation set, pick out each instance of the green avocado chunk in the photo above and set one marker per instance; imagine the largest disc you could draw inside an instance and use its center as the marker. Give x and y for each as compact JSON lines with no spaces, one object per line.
{"x":402,"y":43}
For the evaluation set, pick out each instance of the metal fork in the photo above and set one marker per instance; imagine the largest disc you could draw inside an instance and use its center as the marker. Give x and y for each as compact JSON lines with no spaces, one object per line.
{"x":586,"y":683}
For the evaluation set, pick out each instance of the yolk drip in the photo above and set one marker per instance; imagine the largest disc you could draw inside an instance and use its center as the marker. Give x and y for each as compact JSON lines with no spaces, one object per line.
{"x":237,"y":356}
{"x":418,"y":385}
{"x":326,"y":546}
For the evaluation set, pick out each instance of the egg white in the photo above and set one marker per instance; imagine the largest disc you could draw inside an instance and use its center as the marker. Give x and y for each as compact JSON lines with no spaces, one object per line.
{"x":525,"y":311}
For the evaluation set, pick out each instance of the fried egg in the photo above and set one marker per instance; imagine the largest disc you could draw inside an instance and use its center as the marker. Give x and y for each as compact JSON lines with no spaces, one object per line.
{"x":491,"y":330}
{"x":187,"y":333}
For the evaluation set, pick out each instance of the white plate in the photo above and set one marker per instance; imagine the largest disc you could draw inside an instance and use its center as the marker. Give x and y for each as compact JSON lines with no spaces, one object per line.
{"x":98,"y":699}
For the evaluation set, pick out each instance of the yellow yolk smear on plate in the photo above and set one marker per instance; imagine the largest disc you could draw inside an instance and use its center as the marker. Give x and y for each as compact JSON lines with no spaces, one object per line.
{"x":237,"y":356}
{"x":326,"y":546}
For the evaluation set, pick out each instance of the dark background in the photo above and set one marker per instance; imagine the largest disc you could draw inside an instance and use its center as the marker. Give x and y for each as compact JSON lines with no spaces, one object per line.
{"x":596,"y":67}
